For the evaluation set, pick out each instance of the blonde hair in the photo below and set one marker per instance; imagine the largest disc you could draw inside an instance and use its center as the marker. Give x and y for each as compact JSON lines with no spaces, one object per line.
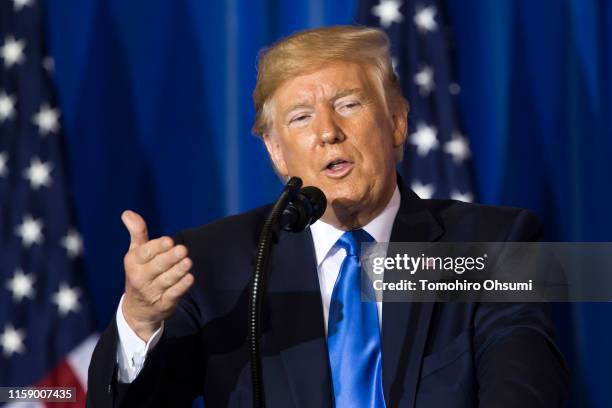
{"x":311,"y":49}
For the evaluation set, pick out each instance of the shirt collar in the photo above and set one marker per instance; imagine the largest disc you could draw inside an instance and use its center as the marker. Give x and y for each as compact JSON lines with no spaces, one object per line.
{"x":325,"y":235}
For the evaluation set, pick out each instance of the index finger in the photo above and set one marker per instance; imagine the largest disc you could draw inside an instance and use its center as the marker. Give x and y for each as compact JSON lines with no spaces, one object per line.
{"x":151,"y":249}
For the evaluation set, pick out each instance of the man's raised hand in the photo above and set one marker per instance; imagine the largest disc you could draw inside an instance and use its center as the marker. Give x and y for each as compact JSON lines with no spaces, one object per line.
{"x":156,"y":276}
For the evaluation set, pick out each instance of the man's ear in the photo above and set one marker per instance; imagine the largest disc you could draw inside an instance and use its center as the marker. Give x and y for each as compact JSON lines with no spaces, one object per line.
{"x":400,"y":126}
{"x":276,"y":154}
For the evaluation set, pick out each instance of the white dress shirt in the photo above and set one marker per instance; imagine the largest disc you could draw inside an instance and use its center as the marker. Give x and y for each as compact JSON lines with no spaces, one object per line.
{"x":132,"y":351}
{"x":330,"y":256}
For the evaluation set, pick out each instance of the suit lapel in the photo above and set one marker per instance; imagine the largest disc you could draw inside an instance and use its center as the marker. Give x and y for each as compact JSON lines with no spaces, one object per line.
{"x":296,"y":314}
{"x":405,"y":325}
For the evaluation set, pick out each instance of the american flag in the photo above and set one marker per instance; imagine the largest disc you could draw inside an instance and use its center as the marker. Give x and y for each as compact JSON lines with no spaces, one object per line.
{"x":46,"y":330}
{"x":437,"y":157}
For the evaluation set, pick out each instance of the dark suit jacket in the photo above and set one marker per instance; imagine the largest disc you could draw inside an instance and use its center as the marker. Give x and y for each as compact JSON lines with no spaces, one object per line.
{"x":434,"y":354}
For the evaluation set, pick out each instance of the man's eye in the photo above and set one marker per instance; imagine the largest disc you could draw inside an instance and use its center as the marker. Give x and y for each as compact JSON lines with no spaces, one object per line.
{"x":299,"y":118}
{"x":349,"y":106}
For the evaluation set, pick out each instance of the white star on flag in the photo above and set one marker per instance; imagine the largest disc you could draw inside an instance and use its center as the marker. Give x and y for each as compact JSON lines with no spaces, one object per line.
{"x":458,"y":147}
{"x":19,"y":4}
{"x":47,"y":120}
{"x":389,"y":12}
{"x":424,"y":80}
{"x":21,"y":284}
{"x":11,"y":340}
{"x":424,"y":19}
{"x":3,"y":167}
{"x":394,"y":65}
{"x":48,"y":64}
{"x":30,"y":231}
{"x":12,"y":51}
{"x":73,"y":243}
{"x":424,"y":191}
{"x":7,"y":106}
{"x":424,"y":139}
{"x":67,"y":299}
{"x":38,"y":173}
{"x":454,"y":88}
{"x":467,"y":197}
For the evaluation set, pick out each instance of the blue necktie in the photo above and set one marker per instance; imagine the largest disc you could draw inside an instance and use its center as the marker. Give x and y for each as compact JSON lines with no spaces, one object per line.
{"x":353,"y":338}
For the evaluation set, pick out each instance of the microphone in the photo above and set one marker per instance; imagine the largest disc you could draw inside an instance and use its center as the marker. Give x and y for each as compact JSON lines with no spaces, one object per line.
{"x":307,"y":206}
{"x":294,"y":210}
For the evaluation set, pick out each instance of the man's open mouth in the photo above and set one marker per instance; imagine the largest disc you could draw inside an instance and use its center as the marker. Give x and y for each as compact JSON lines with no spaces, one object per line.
{"x":338,"y":167}
{"x":338,"y":163}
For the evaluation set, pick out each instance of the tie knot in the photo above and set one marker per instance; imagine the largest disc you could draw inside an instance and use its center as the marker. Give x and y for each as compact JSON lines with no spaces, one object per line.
{"x":351,"y":241}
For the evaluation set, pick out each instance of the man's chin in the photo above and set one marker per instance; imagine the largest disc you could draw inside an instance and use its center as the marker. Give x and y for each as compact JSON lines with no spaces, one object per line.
{"x":344,"y":212}
{"x":345,"y":205}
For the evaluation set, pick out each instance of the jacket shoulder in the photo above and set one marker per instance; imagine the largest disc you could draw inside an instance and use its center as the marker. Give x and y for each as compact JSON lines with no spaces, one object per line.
{"x":485,"y":222}
{"x":235,"y":234}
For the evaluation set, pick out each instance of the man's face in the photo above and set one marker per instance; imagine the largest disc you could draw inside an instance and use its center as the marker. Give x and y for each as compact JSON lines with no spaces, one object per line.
{"x":331,"y":129}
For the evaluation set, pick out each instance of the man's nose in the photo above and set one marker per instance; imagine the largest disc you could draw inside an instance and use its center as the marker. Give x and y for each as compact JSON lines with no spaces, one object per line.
{"x":328,"y":129}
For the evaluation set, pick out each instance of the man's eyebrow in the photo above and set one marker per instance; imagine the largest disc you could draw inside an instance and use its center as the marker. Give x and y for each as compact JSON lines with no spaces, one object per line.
{"x":293,"y":107}
{"x":340,"y":94}
{"x":346,"y":92}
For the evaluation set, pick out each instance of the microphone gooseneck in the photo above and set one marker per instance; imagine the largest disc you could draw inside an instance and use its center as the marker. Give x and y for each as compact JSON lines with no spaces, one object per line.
{"x":294,"y":210}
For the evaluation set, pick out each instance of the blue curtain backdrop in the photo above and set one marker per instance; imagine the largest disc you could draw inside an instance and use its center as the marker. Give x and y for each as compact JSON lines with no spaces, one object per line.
{"x":157,"y":111}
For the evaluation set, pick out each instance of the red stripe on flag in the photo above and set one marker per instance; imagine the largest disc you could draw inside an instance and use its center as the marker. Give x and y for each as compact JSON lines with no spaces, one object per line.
{"x":63,"y":376}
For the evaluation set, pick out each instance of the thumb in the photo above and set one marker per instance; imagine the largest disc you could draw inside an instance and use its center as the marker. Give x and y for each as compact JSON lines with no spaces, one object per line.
{"x":136,"y":226}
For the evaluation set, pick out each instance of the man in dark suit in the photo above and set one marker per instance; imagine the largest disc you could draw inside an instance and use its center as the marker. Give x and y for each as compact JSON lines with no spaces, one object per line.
{"x":329,"y":110}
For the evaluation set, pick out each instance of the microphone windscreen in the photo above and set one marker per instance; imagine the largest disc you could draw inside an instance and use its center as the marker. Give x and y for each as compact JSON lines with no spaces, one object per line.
{"x":317,"y":200}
